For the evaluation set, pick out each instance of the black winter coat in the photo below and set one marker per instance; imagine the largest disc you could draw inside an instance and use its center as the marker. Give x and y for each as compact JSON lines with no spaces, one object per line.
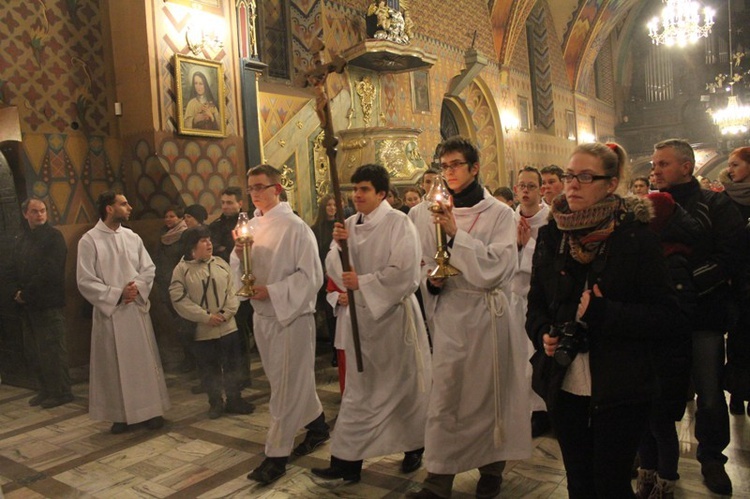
{"x":716,"y":259}
{"x":638,"y":306}
{"x":38,"y":267}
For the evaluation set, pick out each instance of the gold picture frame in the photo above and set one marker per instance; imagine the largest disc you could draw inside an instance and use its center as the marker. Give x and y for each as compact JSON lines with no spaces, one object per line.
{"x":420,"y":91}
{"x":200,"y":103}
{"x":214,"y":7}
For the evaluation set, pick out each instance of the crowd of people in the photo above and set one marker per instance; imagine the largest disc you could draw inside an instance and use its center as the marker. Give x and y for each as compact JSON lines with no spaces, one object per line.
{"x":574,"y":309}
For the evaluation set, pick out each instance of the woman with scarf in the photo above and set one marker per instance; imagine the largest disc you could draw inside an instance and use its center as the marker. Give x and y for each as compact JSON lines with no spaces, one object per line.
{"x":736,"y":181}
{"x":323,"y":230}
{"x":600,"y":296}
{"x":168,"y":254}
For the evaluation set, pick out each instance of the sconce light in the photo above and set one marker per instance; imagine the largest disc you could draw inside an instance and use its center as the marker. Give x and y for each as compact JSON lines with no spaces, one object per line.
{"x":572,"y":137}
{"x":205,"y":31}
{"x":509,"y":121}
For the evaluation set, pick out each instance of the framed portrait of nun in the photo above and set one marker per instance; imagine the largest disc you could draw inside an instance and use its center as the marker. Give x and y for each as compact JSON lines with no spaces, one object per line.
{"x":200,"y":97}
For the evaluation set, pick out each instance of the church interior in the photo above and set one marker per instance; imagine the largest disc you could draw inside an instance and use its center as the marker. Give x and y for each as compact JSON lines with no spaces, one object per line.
{"x":95,"y":94}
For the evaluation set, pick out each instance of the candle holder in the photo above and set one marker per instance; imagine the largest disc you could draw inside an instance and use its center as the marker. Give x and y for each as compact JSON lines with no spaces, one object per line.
{"x":439,"y":194}
{"x":245,"y":238}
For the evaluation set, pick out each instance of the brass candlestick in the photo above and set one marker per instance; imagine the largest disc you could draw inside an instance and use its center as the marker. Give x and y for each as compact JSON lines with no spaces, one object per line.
{"x":439,"y":194}
{"x":245,"y":238}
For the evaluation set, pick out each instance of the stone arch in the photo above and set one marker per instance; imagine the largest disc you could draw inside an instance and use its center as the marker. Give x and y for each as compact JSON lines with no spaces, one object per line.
{"x":484,"y":121}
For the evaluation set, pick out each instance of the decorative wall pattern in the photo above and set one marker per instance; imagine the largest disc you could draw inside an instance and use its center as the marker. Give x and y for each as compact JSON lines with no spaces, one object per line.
{"x":307,"y":25}
{"x":70,"y":171}
{"x":52,"y":65}
{"x":543,"y":102}
{"x":182,"y":172}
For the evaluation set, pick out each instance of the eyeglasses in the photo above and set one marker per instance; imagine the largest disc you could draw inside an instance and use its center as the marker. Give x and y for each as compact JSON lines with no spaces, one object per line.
{"x":527,"y":187}
{"x":583,"y":178}
{"x":452,"y":165}
{"x":258,"y":188}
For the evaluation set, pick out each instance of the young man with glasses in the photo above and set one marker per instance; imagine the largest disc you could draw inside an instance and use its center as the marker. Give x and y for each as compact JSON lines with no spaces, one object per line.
{"x":478,"y":415}
{"x":531,"y":214}
{"x":289,"y":274}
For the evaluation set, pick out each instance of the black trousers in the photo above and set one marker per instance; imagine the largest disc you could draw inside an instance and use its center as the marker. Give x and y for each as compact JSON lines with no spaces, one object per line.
{"x":598,"y":448}
{"x":219,"y":364}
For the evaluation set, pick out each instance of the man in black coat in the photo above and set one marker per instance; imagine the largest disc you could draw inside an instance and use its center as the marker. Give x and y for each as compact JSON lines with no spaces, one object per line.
{"x":222,"y":227}
{"x":714,"y":260}
{"x":37,"y":284}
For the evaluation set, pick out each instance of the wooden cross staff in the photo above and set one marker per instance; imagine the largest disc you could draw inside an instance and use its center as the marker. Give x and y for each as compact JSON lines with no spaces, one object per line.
{"x":316,"y":77}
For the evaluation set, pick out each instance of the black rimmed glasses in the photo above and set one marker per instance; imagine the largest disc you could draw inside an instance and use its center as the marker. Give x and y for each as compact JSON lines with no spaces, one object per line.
{"x":583,"y":178}
{"x":258,"y":188}
{"x":452,"y":165}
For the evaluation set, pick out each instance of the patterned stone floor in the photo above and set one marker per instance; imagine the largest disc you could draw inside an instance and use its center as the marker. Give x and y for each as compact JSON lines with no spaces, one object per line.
{"x":61,"y":453}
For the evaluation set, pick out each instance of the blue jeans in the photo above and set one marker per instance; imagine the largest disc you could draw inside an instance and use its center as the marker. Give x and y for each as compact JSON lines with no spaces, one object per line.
{"x":711,"y":416}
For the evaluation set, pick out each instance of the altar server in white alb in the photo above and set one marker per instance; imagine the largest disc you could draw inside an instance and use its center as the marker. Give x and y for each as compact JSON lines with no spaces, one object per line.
{"x":288,"y":274}
{"x":383,"y":409}
{"x":478,"y":415}
{"x":531,"y":214}
{"x":115,"y":274}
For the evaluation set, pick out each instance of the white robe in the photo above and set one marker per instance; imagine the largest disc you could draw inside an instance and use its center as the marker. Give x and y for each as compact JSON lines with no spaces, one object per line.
{"x":479,"y":405}
{"x":383,"y":409}
{"x":285,"y":259}
{"x":126,"y":379}
{"x":522,"y":284}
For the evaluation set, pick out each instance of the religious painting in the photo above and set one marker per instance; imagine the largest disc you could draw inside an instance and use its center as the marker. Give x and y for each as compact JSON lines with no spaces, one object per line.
{"x":200,"y":97}
{"x":212,"y":6}
{"x":420,"y":91}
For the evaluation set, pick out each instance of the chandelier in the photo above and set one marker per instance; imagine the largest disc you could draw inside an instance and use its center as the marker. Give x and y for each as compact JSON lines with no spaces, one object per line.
{"x":734,"y":118}
{"x":680,"y":23}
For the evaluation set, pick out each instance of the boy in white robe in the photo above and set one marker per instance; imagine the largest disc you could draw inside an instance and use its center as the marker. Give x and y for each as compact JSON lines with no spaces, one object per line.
{"x":478,"y":415}
{"x":288,"y":275}
{"x":531,"y":214}
{"x":383,"y":409}
{"x":115,"y":274}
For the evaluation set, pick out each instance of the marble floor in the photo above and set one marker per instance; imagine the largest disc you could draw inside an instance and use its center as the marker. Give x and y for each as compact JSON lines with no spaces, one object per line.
{"x":61,"y":453}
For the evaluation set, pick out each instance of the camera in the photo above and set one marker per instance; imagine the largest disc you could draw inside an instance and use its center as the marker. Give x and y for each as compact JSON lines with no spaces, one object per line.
{"x":574,"y":339}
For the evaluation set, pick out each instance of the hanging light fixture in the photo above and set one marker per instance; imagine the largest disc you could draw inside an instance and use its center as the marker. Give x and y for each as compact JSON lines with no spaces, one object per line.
{"x":734,"y":118}
{"x":681,"y":23}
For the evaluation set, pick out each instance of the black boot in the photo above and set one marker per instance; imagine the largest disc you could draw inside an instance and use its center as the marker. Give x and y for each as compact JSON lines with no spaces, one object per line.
{"x":348,"y":471}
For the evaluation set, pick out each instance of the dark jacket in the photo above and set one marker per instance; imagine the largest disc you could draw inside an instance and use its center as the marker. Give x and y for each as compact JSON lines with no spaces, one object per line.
{"x":638,"y":305}
{"x":38,"y":267}
{"x":221,"y":235}
{"x":678,"y":232}
{"x":717,"y":257}
{"x":737,"y":374}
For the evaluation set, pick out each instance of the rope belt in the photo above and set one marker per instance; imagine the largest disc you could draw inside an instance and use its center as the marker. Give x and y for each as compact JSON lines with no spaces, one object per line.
{"x":497,"y":304}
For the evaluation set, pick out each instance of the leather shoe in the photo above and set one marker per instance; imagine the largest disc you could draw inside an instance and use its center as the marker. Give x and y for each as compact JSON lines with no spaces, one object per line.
{"x":716,"y":478}
{"x":238,"y":406}
{"x":269,"y":471}
{"x":488,"y":486}
{"x":37,"y":399}
{"x":312,"y":441}
{"x":335,"y":473}
{"x":412,"y":461}
{"x":118,"y":428}
{"x":155,"y":423}
{"x":51,"y":402}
